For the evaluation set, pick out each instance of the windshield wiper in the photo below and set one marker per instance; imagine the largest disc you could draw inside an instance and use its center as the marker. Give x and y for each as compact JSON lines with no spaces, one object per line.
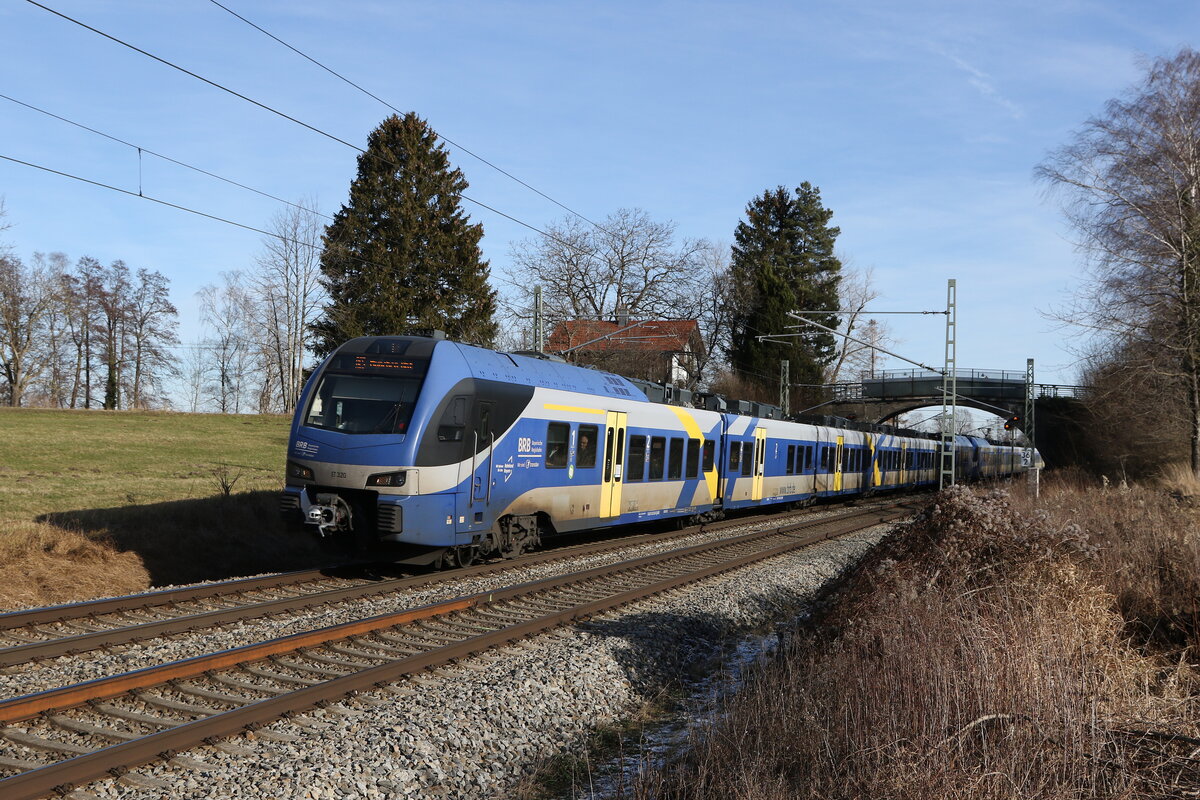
{"x":388,"y":421}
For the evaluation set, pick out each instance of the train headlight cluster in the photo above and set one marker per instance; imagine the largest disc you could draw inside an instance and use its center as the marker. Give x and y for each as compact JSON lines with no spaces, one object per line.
{"x":392,"y":479}
{"x":299,"y":471}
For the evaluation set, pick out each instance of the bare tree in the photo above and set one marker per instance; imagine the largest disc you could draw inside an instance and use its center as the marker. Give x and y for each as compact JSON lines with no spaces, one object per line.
{"x":854,"y":359}
{"x":59,"y":353}
{"x":152,"y":321}
{"x":1131,"y":181}
{"x":228,"y":311}
{"x":114,"y":303}
{"x":289,"y":297}
{"x":25,"y":304}
{"x":630,"y":262}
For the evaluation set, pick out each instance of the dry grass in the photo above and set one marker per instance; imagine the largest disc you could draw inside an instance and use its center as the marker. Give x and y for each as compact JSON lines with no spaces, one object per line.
{"x":42,"y":563}
{"x":1179,"y":479}
{"x":993,"y":649}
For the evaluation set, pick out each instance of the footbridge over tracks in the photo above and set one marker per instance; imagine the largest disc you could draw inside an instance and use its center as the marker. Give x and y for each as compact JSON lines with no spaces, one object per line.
{"x":1060,"y":410}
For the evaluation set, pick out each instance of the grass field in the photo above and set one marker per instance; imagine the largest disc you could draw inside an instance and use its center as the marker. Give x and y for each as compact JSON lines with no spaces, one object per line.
{"x":102,"y":502}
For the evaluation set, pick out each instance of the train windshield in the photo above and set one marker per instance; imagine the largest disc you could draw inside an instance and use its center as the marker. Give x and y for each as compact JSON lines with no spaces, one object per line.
{"x":363,"y":403}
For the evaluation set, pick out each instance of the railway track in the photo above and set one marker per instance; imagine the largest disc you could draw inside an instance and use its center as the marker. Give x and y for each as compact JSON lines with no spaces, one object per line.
{"x":71,"y":629}
{"x":74,"y":734}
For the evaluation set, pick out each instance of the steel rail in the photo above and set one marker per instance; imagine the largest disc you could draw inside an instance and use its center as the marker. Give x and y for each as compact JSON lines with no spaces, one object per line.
{"x":118,"y":758}
{"x":82,"y":642}
{"x":21,"y":708}
{"x":163,"y":597}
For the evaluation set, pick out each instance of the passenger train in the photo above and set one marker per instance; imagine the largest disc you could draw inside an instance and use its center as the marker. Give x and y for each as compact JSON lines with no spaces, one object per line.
{"x":437,"y":451}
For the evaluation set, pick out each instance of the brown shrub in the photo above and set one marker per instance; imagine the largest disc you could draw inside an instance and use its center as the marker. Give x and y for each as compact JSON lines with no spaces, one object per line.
{"x":977,"y":653}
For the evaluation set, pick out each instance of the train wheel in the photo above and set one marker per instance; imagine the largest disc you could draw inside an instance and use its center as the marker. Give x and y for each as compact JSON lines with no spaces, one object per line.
{"x":462,"y":556}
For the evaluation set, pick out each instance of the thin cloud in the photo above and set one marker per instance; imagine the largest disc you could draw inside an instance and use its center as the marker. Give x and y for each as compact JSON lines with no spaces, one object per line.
{"x":983,"y":83}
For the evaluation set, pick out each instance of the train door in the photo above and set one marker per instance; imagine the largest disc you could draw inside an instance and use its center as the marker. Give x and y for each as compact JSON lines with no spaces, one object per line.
{"x":760,"y":462}
{"x":903,"y":476}
{"x":481,"y":483}
{"x":869,"y":468}
{"x":614,"y":465}
{"x":837,"y":464}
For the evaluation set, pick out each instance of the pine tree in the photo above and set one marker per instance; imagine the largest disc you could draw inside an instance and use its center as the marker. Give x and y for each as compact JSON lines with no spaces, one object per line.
{"x":401,"y":254}
{"x":783,"y":261}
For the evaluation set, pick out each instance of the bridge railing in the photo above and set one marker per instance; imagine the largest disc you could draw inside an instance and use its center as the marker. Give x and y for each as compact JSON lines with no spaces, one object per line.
{"x":995,"y":385}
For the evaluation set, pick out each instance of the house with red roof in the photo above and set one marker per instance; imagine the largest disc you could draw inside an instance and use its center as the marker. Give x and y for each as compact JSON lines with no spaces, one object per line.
{"x":663,"y":351}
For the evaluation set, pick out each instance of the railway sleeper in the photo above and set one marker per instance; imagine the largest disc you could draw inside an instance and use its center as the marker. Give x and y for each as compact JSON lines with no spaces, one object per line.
{"x":209,"y":694}
{"x":40,"y":743}
{"x":408,"y":638}
{"x":311,"y":669}
{"x":297,"y":680}
{"x":110,"y":710}
{"x":19,"y":764}
{"x":230,"y":680}
{"x":86,"y":728}
{"x":353,"y":666}
{"x":158,"y":701}
{"x":355,"y":652}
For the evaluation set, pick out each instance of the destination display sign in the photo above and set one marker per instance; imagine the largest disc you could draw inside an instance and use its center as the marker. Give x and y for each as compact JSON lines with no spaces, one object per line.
{"x":373,"y":364}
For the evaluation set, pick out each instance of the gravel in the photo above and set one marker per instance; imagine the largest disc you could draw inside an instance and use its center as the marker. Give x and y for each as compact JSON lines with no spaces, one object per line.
{"x":50,"y":673}
{"x":476,"y":729}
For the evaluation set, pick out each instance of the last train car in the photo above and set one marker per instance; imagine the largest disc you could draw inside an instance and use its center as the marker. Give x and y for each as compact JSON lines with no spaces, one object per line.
{"x":435,"y":449}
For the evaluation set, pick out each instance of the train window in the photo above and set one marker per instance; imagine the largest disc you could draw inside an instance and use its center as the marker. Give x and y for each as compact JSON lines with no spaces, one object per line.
{"x":363,"y":403}
{"x":658,"y":452}
{"x":585,"y":456}
{"x":675,"y":464}
{"x":735,"y":457}
{"x":556,"y":444}
{"x":635,"y":470}
{"x":808,"y":456}
{"x":747,"y":457}
{"x":608,"y":456}
{"x":693,"y":459}
{"x":710,"y":453}
{"x":790,"y":467}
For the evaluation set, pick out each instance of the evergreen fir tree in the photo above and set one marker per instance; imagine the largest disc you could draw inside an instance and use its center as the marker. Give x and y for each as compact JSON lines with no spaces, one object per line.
{"x":783,"y":261}
{"x":401,"y":254}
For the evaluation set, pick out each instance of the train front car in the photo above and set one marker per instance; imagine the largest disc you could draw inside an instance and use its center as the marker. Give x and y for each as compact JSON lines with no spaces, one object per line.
{"x":353,"y":448}
{"x":418,"y":449}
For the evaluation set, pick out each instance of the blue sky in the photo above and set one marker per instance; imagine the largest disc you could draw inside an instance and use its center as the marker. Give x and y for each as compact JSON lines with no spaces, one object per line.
{"x":921,"y":122}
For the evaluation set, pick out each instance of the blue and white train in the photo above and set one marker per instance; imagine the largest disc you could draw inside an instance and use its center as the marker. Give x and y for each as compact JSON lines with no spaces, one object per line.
{"x":435,"y":450}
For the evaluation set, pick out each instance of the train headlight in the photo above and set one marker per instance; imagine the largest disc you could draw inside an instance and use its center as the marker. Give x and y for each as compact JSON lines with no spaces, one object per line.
{"x":386,"y":479}
{"x":299,"y":471}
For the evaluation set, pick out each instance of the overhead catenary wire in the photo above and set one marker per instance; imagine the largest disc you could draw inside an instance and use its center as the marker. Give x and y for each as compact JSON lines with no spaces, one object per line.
{"x":168,"y":204}
{"x":288,"y":117}
{"x":375,"y":97}
{"x":150,"y":152}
